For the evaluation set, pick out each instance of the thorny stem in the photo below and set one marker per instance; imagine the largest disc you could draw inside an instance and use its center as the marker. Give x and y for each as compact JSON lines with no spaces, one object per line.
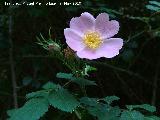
{"x":66,"y":83}
{"x":156,"y":13}
{"x":78,"y":114}
{"x":154,"y":93}
{"x":12,"y":66}
{"x":136,"y":35}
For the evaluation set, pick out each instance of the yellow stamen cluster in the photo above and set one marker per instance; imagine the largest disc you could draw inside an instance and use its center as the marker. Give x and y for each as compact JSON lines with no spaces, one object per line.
{"x":92,"y":40}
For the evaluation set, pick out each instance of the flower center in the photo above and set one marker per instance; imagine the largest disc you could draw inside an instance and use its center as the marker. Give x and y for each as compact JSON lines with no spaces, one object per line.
{"x":92,"y":40}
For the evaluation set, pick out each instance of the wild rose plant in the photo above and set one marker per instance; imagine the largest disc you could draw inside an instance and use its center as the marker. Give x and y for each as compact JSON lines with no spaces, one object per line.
{"x":90,"y":38}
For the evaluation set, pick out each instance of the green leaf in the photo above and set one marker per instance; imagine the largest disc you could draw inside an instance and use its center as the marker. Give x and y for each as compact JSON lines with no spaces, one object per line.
{"x":131,"y":115}
{"x":11,"y":112}
{"x":89,"y":101}
{"x":143,"y":106}
{"x":112,"y":114}
{"x":49,"y":85}
{"x":83,"y":82}
{"x":110,"y":99}
{"x":32,"y":110}
{"x":153,"y":8}
{"x":64,"y":75}
{"x":87,"y":69}
{"x":63,"y":100}
{"x":41,"y":93}
{"x":100,"y":110}
{"x":79,"y":81}
{"x":104,"y":112}
{"x":151,"y":118}
{"x":155,"y":3}
{"x":44,"y":93}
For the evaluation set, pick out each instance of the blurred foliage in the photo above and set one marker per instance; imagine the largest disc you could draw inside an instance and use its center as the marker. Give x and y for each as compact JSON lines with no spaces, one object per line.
{"x":154,"y":6}
{"x":133,"y":75}
{"x":58,"y":97}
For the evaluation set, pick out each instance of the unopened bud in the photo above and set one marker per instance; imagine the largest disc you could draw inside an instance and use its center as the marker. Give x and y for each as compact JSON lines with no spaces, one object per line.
{"x":54,"y":46}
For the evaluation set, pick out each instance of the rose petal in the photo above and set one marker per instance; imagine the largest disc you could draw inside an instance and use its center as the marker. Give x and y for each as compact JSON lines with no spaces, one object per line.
{"x":88,"y":54}
{"x":102,"y":17}
{"x":83,"y":23}
{"x":73,"y":40}
{"x":105,"y":27}
{"x":110,"y":47}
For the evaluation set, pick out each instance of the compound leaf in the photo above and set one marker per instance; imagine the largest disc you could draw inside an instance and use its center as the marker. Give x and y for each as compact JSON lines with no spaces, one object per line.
{"x":131,"y":115}
{"x":146,"y":107}
{"x":63,"y":100}
{"x":110,"y":99}
{"x":80,"y":81}
{"x":32,"y":110}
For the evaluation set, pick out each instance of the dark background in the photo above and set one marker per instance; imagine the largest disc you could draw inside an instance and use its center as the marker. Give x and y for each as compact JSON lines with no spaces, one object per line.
{"x":133,"y":75}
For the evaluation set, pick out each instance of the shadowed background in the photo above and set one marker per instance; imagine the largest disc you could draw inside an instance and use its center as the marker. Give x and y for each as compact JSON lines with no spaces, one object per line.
{"x":133,"y":75}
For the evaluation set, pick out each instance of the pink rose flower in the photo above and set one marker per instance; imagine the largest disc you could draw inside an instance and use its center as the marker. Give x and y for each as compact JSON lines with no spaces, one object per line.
{"x":91,"y":38}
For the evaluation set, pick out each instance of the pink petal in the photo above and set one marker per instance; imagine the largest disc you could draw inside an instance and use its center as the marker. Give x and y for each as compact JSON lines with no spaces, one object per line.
{"x":110,"y":47}
{"x":102,"y":17}
{"x":88,"y":54}
{"x":83,"y":23}
{"x":105,"y":27}
{"x":73,"y":40}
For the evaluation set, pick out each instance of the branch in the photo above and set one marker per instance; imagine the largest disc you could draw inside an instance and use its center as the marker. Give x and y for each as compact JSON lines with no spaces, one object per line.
{"x":12,"y":66}
{"x":154,"y":92}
